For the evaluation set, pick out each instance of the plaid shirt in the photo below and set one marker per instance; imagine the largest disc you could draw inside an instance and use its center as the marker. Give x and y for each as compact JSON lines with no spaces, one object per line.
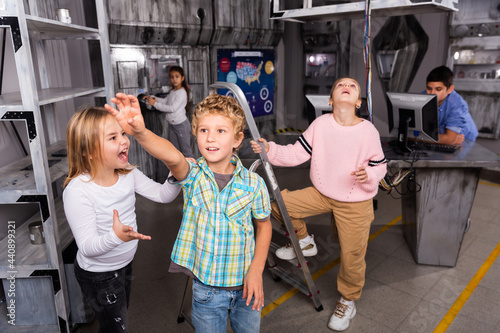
{"x":216,"y":238}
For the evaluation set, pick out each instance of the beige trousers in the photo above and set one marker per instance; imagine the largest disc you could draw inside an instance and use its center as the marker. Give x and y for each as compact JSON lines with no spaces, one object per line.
{"x":352,"y":221}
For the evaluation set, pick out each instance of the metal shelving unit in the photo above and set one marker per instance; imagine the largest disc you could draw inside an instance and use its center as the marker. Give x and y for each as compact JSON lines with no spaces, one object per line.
{"x":473,"y":60}
{"x":474,"y":57}
{"x":349,"y":10}
{"x":37,"y":271}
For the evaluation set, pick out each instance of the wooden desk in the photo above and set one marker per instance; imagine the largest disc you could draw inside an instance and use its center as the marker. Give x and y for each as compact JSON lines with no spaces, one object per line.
{"x":436,"y":217}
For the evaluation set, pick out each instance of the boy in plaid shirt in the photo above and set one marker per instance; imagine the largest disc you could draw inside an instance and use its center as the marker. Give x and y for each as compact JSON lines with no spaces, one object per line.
{"x":216,"y":244}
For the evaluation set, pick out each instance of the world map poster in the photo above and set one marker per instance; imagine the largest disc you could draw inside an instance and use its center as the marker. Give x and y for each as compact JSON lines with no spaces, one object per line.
{"x":253,"y":72}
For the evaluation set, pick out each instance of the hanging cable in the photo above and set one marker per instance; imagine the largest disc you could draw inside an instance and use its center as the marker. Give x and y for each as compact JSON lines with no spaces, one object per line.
{"x":392,"y":180}
{"x":367,"y":58}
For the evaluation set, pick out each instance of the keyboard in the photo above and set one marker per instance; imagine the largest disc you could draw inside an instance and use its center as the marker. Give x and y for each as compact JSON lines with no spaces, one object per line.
{"x":431,"y":146}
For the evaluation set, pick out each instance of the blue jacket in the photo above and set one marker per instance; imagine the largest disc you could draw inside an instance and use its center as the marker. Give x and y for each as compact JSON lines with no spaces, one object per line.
{"x":454,"y":115}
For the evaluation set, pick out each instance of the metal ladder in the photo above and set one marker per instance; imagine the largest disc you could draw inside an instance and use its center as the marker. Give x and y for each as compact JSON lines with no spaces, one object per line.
{"x":307,"y":287}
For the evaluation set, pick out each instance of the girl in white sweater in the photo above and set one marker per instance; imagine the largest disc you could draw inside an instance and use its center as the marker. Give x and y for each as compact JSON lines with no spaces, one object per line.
{"x":99,"y":203}
{"x":176,"y":104}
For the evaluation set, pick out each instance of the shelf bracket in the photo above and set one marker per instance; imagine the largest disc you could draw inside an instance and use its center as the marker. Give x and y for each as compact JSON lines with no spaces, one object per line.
{"x":13,"y":23}
{"x":52,"y":273}
{"x":25,"y":115}
{"x":42,"y":200}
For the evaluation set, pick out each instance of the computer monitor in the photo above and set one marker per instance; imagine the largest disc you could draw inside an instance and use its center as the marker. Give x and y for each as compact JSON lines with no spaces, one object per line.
{"x":415,"y":114}
{"x":317,"y":105}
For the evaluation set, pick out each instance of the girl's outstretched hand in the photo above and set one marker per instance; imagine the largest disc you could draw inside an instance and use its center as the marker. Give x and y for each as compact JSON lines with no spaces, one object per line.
{"x":257,"y":148}
{"x":125,"y":232}
{"x":128,"y":114}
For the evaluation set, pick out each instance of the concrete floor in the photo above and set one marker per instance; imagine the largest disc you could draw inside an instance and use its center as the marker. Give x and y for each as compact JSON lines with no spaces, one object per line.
{"x":399,"y":295}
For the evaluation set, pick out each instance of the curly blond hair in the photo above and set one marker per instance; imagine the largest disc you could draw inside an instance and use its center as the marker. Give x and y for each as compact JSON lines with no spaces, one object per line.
{"x":216,"y":104}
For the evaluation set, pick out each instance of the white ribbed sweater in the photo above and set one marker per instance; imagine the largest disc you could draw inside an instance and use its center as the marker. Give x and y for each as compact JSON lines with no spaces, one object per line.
{"x":174,"y":105}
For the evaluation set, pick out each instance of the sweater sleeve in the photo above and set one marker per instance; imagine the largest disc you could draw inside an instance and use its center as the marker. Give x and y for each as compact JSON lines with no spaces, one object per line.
{"x":377,"y":164}
{"x":81,"y":218}
{"x":154,"y":191}
{"x":176,"y":101}
{"x":289,"y":155}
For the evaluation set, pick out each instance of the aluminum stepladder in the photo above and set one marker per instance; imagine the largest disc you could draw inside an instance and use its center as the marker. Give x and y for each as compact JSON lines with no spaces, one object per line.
{"x":307,"y":287}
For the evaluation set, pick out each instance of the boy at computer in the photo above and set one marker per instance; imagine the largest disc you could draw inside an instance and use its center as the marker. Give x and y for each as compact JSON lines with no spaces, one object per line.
{"x":216,"y":244}
{"x":455,"y":121}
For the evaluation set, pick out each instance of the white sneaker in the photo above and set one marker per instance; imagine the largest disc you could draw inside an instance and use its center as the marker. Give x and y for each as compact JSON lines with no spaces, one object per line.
{"x":287,"y":252}
{"x":342,"y":315}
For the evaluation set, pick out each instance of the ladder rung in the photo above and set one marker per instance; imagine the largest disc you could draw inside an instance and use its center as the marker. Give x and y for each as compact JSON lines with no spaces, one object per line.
{"x":291,"y":279}
{"x":273,"y":247}
{"x":279,"y":227}
{"x":281,"y":230}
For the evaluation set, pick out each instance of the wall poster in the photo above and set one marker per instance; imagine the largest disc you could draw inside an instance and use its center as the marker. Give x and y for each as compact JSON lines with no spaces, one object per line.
{"x":253,"y":72}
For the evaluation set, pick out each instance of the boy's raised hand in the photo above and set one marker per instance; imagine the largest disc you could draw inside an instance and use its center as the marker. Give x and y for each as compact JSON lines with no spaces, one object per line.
{"x":257,"y":148}
{"x":125,"y":232}
{"x":128,"y":114}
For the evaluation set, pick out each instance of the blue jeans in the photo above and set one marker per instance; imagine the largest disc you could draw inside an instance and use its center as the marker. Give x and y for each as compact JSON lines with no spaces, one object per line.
{"x":108,"y":294}
{"x":211,"y":307}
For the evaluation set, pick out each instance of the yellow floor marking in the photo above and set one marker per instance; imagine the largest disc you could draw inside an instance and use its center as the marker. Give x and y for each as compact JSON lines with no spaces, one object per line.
{"x":489,"y":184}
{"x":469,"y":289}
{"x":289,"y":294}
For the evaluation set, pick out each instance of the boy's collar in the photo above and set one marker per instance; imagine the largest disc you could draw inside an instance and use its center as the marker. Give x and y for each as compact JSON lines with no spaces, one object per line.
{"x":202,"y":162}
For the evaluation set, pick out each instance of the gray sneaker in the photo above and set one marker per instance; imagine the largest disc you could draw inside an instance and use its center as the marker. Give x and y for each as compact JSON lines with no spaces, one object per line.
{"x":342,"y":316}
{"x":287,"y":252}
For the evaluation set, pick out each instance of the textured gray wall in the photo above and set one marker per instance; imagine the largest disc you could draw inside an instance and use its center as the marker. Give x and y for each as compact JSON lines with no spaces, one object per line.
{"x":435,"y":26}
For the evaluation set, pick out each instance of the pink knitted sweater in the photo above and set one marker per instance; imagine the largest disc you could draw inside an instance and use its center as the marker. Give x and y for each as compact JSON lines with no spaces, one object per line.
{"x":336,"y":151}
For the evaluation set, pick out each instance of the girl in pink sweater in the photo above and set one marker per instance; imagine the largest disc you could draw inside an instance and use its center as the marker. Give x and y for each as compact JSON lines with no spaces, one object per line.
{"x":347,"y":164}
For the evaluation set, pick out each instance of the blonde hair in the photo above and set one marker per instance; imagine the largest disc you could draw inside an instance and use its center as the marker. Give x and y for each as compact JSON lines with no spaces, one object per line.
{"x":83,"y":141}
{"x":216,"y":104}
{"x":346,"y":78}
